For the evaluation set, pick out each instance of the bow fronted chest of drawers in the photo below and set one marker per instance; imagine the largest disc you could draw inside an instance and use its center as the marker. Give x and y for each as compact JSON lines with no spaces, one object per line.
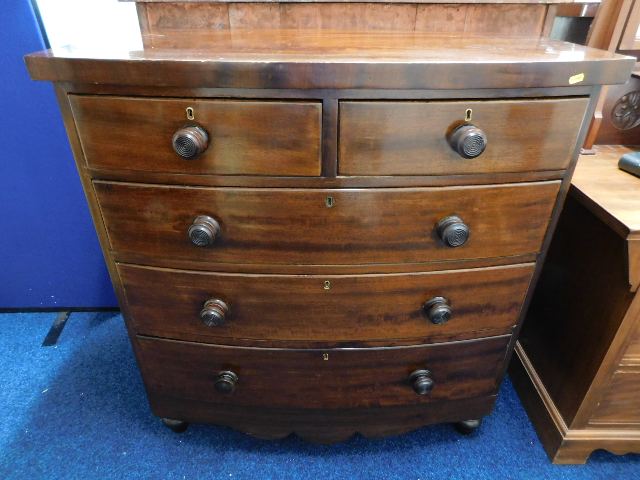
{"x":325,"y":232}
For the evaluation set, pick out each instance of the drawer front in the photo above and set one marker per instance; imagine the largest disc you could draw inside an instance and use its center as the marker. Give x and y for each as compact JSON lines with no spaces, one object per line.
{"x":620,"y":403}
{"x":244,"y":137}
{"x":146,"y":224}
{"x":350,"y":308}
{"x":410,"y":138}
{"x":334,"y":378}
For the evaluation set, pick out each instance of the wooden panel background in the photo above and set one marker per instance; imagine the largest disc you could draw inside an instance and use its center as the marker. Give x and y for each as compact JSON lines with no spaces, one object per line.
{"x":475,"y":19}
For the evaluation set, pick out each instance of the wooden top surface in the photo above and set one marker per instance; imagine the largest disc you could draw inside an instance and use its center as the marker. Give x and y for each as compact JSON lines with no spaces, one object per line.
{"x":610,"y":193}
{"x":334,"y":59}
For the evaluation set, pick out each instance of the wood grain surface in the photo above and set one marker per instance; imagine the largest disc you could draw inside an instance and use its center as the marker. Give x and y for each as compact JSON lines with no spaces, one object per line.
{"x":410,"y":138}
{"x":500,"y":19}
{"x":295,"y":226}
{"x":304,"y":379}
{"x":321,"y":425}
{"x":193,"y":2}
{"x":315,"y":59}
{"x":355,"y":308}
{"x":579,"y":303}
{"x":340,"y":181}
{"x":245,"y":137}
{"x":610,"y":193}
{"x":304,"y":249}
{"x":619,"y":406}
{"x":632,"y":352}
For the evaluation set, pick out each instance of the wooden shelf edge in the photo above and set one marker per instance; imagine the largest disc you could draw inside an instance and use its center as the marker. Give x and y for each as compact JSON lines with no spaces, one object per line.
{"x":554,"y":414}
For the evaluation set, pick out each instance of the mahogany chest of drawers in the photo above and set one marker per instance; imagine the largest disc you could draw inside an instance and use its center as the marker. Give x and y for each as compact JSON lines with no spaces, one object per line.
{"x":325,"y":232}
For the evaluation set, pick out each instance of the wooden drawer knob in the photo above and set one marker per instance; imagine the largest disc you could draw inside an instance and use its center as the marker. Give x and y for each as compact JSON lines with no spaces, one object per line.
{"x":226,"y":382}
{"x":453,"y":231}
{"x":190,"y":141}
{"x":468,"y":140}
{"x":438,"y":310}
{"x":213,"y":312}
{"x":421,"y":381}
{"x":203,"y":231}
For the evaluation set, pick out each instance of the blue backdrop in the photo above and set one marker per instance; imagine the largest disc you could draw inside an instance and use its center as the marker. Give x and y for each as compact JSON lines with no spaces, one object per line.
{"x":49,"y":252}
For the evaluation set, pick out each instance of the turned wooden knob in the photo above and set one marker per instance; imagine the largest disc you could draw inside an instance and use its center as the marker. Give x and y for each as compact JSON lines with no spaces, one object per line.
{"x":203,"y":231}
{"x":468,"y":141}
{"x":213,"y":312}
{"x":438,"y":310}
{"x":190,"y":141}
{"x":453,"y":231}
{"x":421,"y":381}
{"x":226,"y":382}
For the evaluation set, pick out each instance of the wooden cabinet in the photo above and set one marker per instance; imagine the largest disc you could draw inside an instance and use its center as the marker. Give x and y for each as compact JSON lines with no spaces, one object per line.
{"x":576,"y":363}
{"x":324,"y":231}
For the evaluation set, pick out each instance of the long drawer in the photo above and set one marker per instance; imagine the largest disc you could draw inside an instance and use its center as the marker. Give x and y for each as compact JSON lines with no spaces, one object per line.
{"x":244,"y":137}
{"x":334,"y":378}
{"x":148,"y":224}
{"x":412,"y":138}
{"x":344,"y":308}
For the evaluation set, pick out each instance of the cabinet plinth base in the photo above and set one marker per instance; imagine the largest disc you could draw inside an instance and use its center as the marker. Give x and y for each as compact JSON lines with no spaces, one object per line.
{"x":564,"y":445}
{"x":321,"y":426}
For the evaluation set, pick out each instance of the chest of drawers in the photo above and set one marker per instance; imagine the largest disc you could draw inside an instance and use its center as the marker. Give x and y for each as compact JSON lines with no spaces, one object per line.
{"x":325,"y":232}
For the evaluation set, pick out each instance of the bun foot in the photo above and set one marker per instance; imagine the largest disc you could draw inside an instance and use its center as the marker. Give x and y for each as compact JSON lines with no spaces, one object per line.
{"x":468,"y":427}
{"x":177,"y":426}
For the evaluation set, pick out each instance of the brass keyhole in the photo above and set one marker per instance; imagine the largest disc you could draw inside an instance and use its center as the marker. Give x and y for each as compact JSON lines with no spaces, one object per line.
{"x":190,"y":113}
{"x":326,"y":285}
{"x":467,"y":115}
{"x":329,"y":202}
{"x":325,"y":356}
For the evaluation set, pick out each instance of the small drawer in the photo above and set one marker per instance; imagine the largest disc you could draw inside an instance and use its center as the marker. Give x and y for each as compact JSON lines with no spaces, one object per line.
{"x":414,"y":308}
{"x":332,"y":378}
{"x":417,"y":138}
{"x":197,"y":228}
{"x":240,"y":137}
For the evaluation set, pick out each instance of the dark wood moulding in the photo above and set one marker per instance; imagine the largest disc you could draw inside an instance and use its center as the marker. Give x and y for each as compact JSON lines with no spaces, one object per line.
{"x":314,"y":59}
